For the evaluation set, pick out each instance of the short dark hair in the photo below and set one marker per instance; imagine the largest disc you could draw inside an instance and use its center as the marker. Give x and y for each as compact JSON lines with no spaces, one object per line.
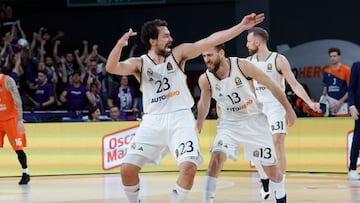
{"x":92,"y":109}
{"x":260,"y":32}
{"x":334,"y":49}
{"x":150,"y":30}
{"x":220,"y":47}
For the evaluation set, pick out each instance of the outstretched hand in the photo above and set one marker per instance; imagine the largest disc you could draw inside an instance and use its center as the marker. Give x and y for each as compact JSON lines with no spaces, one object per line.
{"x":124,"y":40}
{"x":315,"y":106}
{"x":252,"y":19}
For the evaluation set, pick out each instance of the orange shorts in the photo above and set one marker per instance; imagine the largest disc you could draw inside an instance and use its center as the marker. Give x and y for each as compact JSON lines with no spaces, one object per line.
{"x":17,"y":139}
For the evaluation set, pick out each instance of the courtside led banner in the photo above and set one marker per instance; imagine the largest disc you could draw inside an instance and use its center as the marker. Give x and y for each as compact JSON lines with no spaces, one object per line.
{"x":114,"y":147}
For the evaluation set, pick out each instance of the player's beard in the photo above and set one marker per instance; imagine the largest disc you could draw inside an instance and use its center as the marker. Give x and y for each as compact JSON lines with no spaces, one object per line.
{"x":164,"y":52}
{"x":253,"y":51}
{"x":216,"y":66}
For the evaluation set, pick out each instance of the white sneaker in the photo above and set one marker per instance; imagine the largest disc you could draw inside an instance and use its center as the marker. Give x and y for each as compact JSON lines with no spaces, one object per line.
{"x":353,"y":175}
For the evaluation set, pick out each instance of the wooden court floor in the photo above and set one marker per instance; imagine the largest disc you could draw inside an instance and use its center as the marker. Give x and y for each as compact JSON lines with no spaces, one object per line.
{"x":242,"y":187}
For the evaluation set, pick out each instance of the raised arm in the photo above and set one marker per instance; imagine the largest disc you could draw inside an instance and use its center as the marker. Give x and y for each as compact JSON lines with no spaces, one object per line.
{"x":204,"y":102}
{"x":188,"y":51}
{"x":130,"y":66}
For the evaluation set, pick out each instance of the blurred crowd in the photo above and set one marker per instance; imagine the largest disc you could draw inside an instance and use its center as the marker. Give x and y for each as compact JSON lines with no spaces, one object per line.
{"x":72,"y":80}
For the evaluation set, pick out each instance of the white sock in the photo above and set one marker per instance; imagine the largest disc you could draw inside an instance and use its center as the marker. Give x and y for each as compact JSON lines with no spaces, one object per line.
{"x":279,"y":188}
{"x":260,"y":169}
{"x":209,"y":189}
{"x":132,"y":193}
{"x":178,"y":194}
{"x":26,"y":170}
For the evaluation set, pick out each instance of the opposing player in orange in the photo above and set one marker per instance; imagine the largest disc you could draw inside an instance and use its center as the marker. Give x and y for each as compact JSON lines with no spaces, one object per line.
{"x":11,"y":122}
{"x":336,"y":78}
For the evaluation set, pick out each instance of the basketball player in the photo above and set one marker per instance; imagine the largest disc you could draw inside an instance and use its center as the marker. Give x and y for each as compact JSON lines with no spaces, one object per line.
{"x":336,"y":78}
{"x":278,"y":68}
{"x":168,"y":122}
{"x":11,"y":122}
{"x":230,"y":82}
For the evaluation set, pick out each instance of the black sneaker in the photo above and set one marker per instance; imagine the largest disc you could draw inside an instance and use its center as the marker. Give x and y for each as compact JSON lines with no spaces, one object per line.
{"x":282,"y":200}
{"x":264,"y":190}
{"x":24,"y":179}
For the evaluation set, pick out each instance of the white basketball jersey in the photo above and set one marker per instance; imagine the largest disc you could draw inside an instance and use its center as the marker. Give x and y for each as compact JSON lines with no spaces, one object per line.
{"x":164,"y":86}
{"x":269,"y":67}
{"x":235,"y":95}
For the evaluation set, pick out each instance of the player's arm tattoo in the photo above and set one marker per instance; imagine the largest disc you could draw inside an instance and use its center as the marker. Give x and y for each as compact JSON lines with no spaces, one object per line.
{"x":10,"y":84}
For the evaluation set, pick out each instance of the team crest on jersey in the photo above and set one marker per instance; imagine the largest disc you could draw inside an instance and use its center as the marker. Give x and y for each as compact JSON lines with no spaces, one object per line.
{"x":220,"y":143}
{"x":269,"y":67}
{"x":177,"y":153}
{"x":238,"y":81}
{"x":169,"y":66}
{"x":256,"y":153}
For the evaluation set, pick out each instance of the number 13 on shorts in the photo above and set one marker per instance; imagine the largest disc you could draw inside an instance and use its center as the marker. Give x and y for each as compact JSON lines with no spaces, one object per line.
{"x":262,"y":154}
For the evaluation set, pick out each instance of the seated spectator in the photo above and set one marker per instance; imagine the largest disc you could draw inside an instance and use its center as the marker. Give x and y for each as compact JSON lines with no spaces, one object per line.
{"x":124,"y":97}
{"x":114,"y":113}
{"x":94,"y":113}
{"x":76,"y":96}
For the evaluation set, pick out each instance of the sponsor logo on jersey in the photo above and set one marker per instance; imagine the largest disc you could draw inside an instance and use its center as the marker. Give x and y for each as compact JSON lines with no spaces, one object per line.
{"x":242,"y":107}
{"x":261,"y":88}
{"x":165,"y":96}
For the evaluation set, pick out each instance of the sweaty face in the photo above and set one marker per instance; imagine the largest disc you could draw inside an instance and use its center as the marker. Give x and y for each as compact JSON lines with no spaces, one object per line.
{"x":212,"y":60}
{"x":251,"y":44}
{"x":163,"y":42}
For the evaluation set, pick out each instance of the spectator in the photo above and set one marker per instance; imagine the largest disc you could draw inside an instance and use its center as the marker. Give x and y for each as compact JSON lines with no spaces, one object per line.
{"x":94,"y":113}
{"x":114,"y":113}
{"x":76,"y":96}
{"x":45,"y":97}
{"x":95,"y":94}
{"x":124,"y":97}
{"x":62,"y":76}
{"x":70,"y":63}
{"x":336,"y":77}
